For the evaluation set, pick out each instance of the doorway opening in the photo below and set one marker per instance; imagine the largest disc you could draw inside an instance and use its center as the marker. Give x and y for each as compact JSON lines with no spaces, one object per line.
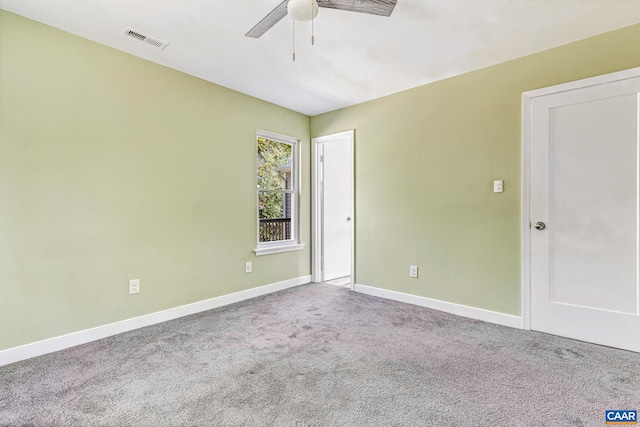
{"x":333,"y":219}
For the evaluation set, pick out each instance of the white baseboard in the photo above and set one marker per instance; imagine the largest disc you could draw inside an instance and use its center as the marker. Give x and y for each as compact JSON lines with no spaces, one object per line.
{"x":449,"y":307}
{"x":39,"y":348}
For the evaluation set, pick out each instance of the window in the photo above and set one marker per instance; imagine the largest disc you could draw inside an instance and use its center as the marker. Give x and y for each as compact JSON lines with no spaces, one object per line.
{"x":277,"y":191}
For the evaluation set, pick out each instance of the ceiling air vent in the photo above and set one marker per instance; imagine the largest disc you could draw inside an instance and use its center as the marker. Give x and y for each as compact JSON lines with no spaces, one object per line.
{"x":145,"y":38}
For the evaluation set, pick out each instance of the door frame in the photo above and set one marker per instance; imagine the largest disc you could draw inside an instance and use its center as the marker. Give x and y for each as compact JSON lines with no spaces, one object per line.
{"x":525,"y":181}
{"x":316,"y":204}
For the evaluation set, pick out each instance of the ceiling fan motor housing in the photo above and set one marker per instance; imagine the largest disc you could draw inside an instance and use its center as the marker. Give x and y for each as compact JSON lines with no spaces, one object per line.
{"x":302,"y":10}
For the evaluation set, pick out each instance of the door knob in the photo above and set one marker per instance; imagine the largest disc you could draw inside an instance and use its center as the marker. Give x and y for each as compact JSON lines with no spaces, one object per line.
{"x":540,"y":225}
{"x":348,"y":218}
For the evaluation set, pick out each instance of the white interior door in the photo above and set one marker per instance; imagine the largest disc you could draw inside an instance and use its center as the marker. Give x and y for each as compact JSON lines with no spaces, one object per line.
{"x":336,"y":193}
{"x":584,"y":192}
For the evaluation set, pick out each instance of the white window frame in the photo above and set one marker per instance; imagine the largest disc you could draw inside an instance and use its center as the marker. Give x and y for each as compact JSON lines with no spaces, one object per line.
{"x":293,"y":244}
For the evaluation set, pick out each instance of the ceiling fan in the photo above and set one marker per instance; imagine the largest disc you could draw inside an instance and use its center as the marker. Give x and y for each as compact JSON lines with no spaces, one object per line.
{"x":304,"y":10}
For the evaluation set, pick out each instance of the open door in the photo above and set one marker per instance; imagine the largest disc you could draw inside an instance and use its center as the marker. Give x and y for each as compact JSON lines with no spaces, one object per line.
{"x":333,"y":208}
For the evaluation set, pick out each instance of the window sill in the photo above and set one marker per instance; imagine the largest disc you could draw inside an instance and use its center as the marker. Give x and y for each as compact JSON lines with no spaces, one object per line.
{"x":277,"y":249}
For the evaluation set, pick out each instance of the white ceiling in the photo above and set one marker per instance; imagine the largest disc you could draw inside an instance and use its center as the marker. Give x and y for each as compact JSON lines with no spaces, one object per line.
{"x":357,"y":57}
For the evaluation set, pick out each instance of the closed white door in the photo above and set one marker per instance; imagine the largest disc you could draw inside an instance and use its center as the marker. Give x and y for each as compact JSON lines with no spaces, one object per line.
{"x":336,"y":164}
{"x":584,"y":214}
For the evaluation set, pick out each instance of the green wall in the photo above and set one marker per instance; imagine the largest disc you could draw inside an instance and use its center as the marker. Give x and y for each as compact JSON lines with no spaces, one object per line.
{"x":426,"y":159}
{"x":113,"y":168}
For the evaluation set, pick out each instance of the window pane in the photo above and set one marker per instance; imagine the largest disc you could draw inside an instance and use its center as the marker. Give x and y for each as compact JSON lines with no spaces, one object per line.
{"x":274,"y":216}
{"x":274,"y":162}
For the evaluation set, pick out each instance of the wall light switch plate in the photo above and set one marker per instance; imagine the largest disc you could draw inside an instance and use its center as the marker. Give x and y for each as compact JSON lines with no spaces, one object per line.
{"x":247,"y":267}
{"x":498,"y":186}
{"x":413,"y":271}
{"x":134,"y":286}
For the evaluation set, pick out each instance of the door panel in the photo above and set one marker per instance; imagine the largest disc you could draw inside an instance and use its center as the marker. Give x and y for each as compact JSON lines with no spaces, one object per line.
{"x":336,"y":217}
{"x":584,"y":187}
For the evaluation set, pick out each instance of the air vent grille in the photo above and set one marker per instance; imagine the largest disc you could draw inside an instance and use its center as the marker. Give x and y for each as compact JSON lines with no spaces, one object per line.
{"x":139,"y":35}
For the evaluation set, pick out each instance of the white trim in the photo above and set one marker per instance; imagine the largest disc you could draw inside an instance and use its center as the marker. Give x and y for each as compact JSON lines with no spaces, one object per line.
{"x":62,"y":342}
{"x":584,"y":83}
{"x":316,"y":202}
{"x":316,"y":214}
{"x":266,"y":250}
{"x":276,"y":136}
{"x":448,"y":307}
{"x":525,"y":179}
{"x":525,"y":211}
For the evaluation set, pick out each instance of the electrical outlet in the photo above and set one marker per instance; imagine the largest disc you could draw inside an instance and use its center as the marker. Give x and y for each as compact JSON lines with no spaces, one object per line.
{"x":498,"y":186}
{"x":134,"y":286}
{"x":247,"y":267}
{"x":413,"y":271}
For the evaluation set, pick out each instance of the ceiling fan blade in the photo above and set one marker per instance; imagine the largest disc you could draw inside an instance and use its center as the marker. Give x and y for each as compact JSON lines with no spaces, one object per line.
{"x":269,"y":21}
{"x":372,"y":7}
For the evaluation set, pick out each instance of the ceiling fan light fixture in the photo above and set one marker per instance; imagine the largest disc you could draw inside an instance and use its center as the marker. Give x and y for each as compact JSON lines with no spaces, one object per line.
{"x":302,"y":10}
